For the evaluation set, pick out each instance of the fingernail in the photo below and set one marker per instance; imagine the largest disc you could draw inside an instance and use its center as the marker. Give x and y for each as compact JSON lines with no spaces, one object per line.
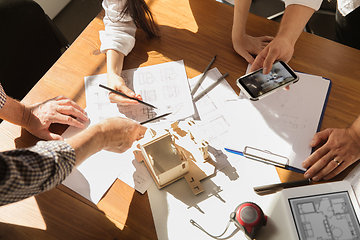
{"x":316,"y":178}
{"x":132,"y":94}
{"x":304,"y":165}
{"x":306,"y":175}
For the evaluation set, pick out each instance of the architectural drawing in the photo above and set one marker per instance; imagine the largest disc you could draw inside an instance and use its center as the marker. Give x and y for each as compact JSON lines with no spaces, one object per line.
{"x":164,"y":86}
{"x":325,"y":217}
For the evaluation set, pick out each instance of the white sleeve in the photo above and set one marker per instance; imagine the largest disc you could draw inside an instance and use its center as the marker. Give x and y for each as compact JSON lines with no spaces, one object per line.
{"x":119,"y":31}
{"x":314,"y":4}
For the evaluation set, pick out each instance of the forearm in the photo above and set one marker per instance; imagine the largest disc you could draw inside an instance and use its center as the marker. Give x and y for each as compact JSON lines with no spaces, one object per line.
{"x":115,"y":61}
{"x":294,"y":21}
{"x":86,"y":143}
{"x":241,"y":11}
{"x":354,"y":131}
{"x":30,"y":171}
{"x":15,"y":112}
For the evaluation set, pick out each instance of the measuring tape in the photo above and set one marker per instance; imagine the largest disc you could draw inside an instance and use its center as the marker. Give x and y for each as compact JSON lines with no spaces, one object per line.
{"x":247,"y":217}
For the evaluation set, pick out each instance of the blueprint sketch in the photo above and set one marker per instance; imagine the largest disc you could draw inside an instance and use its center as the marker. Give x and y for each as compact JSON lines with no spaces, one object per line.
{"x":163,"y":85}
{"x":325,"y":217}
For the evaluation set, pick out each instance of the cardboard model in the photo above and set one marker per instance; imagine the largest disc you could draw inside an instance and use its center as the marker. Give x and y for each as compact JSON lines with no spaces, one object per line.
{"x":174,"y":153}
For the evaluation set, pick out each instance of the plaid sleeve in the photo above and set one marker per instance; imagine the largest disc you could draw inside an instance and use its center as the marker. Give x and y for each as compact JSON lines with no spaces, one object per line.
{"x":2,"y":96}
{"x":30,"y":171}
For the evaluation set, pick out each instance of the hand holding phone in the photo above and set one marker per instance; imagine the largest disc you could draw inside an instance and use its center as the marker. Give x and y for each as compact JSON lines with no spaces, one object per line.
{"x":256,"y":85}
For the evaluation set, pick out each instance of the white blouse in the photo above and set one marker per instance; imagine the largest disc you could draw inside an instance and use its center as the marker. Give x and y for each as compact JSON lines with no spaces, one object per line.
{"x":119,"y":31}
{"x":344,"y":6}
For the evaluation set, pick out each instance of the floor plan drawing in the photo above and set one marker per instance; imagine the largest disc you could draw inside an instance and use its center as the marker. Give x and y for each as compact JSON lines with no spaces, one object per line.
{"x":325,"y":217}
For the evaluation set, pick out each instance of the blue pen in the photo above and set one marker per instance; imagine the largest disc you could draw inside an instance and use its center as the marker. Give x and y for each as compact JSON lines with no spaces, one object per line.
{"x":267,"y":161}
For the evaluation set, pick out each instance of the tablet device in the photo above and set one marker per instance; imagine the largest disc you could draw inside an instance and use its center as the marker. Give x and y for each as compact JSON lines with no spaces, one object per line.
{"x":322,"y":212}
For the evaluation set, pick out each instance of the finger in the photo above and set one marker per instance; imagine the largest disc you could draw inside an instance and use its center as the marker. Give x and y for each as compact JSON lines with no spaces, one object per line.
{"x":318,"y":165}
{"x":336,"y":171}
{"x":266,"y":38}
{"x":71,"y":111}
{"x":114,"y":98}
{"x":316,"y":156}
{"x":68,"y":120}
{"x":269,"y":60}
{"x":330,"y":167}
{"x":257,"y":64}
{"x":63,"y":100}
{"x":320,"y":136}
{"x":56,"y":137}
{"x":47,"y":135}
{"x":68,"y":107}
{"x":247,"y":57}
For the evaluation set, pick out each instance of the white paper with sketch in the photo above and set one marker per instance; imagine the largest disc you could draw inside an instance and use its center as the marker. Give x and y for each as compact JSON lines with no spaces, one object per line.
{"x":214,"y":121}
{"x":163,"y":85}
{"x":284,"y":122}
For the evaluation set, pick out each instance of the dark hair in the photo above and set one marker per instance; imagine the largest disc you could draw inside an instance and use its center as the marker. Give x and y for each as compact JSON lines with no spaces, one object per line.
{"x":142,"y":16}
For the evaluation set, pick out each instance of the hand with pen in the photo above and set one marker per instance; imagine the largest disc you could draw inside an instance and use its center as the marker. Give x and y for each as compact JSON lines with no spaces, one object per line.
{"x":115,"y":61}
{"x":340,"y":149}
{"x":117,"y":83}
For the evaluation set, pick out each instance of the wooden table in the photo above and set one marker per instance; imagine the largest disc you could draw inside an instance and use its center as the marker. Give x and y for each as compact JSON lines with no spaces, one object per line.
{"x":192,"y":30}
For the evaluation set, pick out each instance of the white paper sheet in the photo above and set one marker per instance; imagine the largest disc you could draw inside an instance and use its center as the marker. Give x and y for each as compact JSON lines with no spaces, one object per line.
{"x":354,"y":178}
{"x":214,"y":122}
{"x":283,"y":123}
{"x":164,"y":86}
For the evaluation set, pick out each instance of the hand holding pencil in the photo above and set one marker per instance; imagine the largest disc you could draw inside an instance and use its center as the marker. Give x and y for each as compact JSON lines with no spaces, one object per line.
{"x":117,"y":83}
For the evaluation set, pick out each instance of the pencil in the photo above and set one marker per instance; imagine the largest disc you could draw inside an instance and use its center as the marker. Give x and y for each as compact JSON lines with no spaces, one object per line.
{"x":197,"y":85}
{"x":155,"y":118}
{"x":126,"y":96}
{"x":209,"y":88}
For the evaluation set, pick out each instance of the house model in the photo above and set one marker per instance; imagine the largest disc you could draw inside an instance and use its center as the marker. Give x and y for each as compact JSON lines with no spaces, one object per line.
{"x":175,"y":153}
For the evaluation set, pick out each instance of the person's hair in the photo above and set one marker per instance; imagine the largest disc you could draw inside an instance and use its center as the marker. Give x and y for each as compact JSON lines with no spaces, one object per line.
{"x":142,"y":16}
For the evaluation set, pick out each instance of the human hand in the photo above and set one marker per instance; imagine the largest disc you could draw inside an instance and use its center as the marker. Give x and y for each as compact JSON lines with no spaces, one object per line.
{"x":118,"y":133}
{"x":278,"y":49}
{"x":339,"y":151}
{"x":57,"y":110}
{"x":116,"y":82}
{"x":246,"y":45}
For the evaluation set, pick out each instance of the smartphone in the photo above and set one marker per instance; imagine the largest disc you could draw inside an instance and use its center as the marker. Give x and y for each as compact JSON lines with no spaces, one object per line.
{"x":256,"y":85}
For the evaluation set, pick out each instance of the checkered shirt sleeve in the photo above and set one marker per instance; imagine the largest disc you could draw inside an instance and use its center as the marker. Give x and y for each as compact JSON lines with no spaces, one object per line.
{"x":30,"y":171}
{"x":2,"y":96}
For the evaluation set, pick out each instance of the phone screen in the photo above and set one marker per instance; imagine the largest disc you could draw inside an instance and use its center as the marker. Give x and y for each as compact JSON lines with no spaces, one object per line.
{"x":257,"y":84}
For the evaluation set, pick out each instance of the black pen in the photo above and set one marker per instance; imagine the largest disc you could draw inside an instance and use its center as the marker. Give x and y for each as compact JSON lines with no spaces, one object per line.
{"x":155,"y":118}
{"x":124,"y":95}
{"x":197,"y":85}
{"x":209,"y":88}
{"x":273,"y":188}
